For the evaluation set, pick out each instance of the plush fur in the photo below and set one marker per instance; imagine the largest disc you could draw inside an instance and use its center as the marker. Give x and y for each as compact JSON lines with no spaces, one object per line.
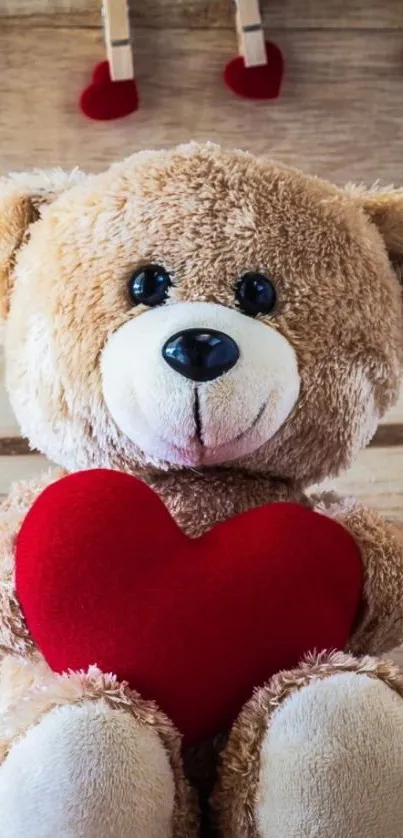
{"x":94,"y":784}
{"x":45,"y":693}
{"x":348,"y":713}
{"x":207,"y":215}
{"x":90,"y":389}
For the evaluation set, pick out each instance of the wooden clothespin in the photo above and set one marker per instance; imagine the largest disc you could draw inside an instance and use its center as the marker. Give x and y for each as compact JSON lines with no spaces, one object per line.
{"x":257,"y":71}
{"x":113,"y":90}
{"x":118,"y":39}
{"x":251,"y":41}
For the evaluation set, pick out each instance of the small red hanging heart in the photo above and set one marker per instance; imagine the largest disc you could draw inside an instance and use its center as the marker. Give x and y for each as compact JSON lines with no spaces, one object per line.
{"x":262,"y":82}
{"x":106,"y":99}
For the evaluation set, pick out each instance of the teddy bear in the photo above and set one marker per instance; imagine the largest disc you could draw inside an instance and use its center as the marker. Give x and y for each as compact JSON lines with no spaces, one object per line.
{"x":192,"y":631}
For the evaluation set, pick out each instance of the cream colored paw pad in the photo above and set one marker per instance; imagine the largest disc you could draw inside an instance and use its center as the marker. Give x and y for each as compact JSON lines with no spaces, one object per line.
{"x":87,"y":772}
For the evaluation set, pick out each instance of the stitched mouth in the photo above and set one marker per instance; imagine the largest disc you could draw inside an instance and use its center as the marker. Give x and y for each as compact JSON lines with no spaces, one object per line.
{"x":198,"y":420}
{"x":254,"y":423}
{"x":199,"y":424}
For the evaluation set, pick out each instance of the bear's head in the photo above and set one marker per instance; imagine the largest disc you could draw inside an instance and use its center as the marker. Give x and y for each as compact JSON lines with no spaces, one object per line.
{"x":197,"y":308}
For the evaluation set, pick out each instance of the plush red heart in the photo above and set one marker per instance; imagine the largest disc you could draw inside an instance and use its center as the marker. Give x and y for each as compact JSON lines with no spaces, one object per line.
{"x":106,"y":99}
{"x":105,"y":576}
{"x":262,"y":82}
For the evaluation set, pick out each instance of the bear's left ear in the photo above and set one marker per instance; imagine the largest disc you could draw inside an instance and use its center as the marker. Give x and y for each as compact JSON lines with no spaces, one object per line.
{"x":385,"y":209}
{"x":21,"y":198}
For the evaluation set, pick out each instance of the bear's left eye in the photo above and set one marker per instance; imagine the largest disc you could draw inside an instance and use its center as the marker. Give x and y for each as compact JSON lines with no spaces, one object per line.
{"x":149,"y":285}
{"x":255,"y":294}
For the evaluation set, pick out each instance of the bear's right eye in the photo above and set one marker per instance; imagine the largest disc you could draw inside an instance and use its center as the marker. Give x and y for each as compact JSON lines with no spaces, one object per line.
{"x":149,"y":285}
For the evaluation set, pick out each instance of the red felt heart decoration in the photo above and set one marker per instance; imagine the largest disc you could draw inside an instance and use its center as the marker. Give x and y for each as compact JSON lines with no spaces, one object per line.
{"x":105,"y":576}
{"x":106,"y":99}
{"x":262,"y":82}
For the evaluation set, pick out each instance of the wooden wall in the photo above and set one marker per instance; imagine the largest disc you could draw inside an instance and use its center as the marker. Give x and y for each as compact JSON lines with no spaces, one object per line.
{"x":340,"y":113}
{"x":340,"y":116}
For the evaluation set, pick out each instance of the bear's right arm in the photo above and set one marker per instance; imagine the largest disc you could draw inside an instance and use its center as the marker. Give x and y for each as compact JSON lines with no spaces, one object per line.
{"x":14,"y":635}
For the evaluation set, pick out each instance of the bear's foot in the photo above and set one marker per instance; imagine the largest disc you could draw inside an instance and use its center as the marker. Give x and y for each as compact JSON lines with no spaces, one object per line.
{"x":96,"y":769}
{"x":317,"y":753}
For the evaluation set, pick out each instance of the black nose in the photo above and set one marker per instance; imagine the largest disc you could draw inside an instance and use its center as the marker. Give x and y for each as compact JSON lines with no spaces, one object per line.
{"x":201,"y":354}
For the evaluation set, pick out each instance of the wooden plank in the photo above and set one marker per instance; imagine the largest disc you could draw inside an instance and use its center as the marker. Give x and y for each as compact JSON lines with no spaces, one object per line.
{"x":388,"y":436}
{"x":15,"y":446}
{"x":339,"y":116}
{"x":397,"y":657}
{"x":376,"y":479}
{"x":17,"y":8}
{"x":8,"y":424}
{"x":164,"y":14}
{"x":55,"y":10}
{"x":395,"y":415}
{"x":20,"y":468}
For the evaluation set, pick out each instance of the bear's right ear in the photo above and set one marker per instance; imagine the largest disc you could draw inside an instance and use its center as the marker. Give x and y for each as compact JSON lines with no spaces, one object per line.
{"x":384,"y":207}
{"x":21,"y":199}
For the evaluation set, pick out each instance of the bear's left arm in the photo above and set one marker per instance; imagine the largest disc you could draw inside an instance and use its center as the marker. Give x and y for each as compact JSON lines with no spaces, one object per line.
{"x":380,"y":625}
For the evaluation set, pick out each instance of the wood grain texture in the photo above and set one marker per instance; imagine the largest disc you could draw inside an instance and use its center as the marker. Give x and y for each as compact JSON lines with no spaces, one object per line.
{"x":397,"y":657}
{"x":388,"y":436}
{"x":395,"y":415}
{"x":20,"y":468}
{"x":339,"y":116}
{"x":164,"y":14}
{"x":15,"y":446}
{"x":376,"y":480}
{"x":8,"y":424}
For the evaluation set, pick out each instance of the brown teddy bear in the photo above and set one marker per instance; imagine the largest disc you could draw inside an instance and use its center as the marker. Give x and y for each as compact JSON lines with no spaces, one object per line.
{"x":228,"y":330}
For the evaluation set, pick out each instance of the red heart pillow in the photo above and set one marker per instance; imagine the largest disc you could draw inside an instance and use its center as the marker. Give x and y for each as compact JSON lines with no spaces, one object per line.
{"x":104,"y":576}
